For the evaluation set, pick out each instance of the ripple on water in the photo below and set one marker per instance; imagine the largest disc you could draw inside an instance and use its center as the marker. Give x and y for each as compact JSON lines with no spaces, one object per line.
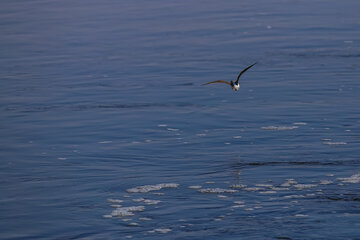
{"x":334,"y":143}
{"x":147,"y":201}
{"x":253,"y":189}
{"x":279,"y":128}
{"x":148,"y":188}
{"x":260,"y":189}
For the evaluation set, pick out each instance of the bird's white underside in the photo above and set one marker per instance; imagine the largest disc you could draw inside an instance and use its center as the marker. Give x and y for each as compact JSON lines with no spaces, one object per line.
{"x":236,"y":87}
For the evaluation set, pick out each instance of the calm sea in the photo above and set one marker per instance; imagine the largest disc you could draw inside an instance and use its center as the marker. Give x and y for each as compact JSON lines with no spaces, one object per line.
{"x":106,"y":131}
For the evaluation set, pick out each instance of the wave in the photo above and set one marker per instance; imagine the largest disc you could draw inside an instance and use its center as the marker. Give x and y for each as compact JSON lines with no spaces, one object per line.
{"x":135,"y":106}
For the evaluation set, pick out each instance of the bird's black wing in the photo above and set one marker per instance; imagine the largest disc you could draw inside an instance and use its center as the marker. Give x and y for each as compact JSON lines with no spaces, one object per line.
{"x":237,"y":80}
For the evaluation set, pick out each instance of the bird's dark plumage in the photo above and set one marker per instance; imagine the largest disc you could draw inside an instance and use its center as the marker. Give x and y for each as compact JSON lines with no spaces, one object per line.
{"x":217,"y":81}
{"x":237,"y":80}
{"x":234,"y":85}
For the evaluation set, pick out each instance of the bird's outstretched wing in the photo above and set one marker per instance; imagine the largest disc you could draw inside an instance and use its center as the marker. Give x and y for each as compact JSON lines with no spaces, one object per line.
{"x":217,"y":81}
{"x":237,"y":80}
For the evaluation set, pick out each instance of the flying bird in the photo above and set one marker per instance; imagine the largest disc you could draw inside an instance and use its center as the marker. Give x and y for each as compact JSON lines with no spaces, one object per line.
{"x":234,"y":85}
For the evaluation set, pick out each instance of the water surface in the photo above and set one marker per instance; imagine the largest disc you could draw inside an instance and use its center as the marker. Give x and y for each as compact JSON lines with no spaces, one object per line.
{"x":102,"y":102}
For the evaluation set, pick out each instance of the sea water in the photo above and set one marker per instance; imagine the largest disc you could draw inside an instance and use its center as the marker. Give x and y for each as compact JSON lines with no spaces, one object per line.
{"x":107,"y":132}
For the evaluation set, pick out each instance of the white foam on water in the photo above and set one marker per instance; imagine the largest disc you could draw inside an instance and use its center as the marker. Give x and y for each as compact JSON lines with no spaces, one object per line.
{"x":151,"y":202}
{"x":145,"y":219}
{"x":294,"y":196}
{"x":160,"y":230}
{"x":162,"y":125}
{"x":127,"y":211}
{"x":173,"y":129}
{"x":304,"y":186}
{"x":239,"y":202}
{"x":237,"y":137}
{"x":133,"y":224}
{"x":300,"y":123}
{"x":222,"y":196}
{"x":126,"y":219}
{"x":148,"y":188}
{"x":326,"y":139}
{"x":62,"y":158}
{"x":353,"y":179}
{"x":119,"y":213}
{"x":116,"y":206}
{"x":147,"y":201}
{"x":111,"y":200}
{"x":253,"y":189}
{"x":195,"y":187}
{"x":219,"y":218}
{"x":268,"y":192}
{"x":325,"y":182}
{"x":279,"y":188}
{"x":217,"y":190}
{"x":334,"y":143}
{"x":279,"y":128}
{"x":238,"y":206}
{"x":301,"y":215}
{"x":105,"y":142}
{"x":201,"y":134}
{"x":289,"y":182}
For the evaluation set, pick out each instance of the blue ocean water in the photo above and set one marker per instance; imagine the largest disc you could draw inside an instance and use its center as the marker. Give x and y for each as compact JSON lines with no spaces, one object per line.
{"x":107,"y":132}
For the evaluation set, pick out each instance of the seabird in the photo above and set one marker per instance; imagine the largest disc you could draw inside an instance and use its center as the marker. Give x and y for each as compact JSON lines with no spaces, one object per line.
{"x":234,"y":85}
